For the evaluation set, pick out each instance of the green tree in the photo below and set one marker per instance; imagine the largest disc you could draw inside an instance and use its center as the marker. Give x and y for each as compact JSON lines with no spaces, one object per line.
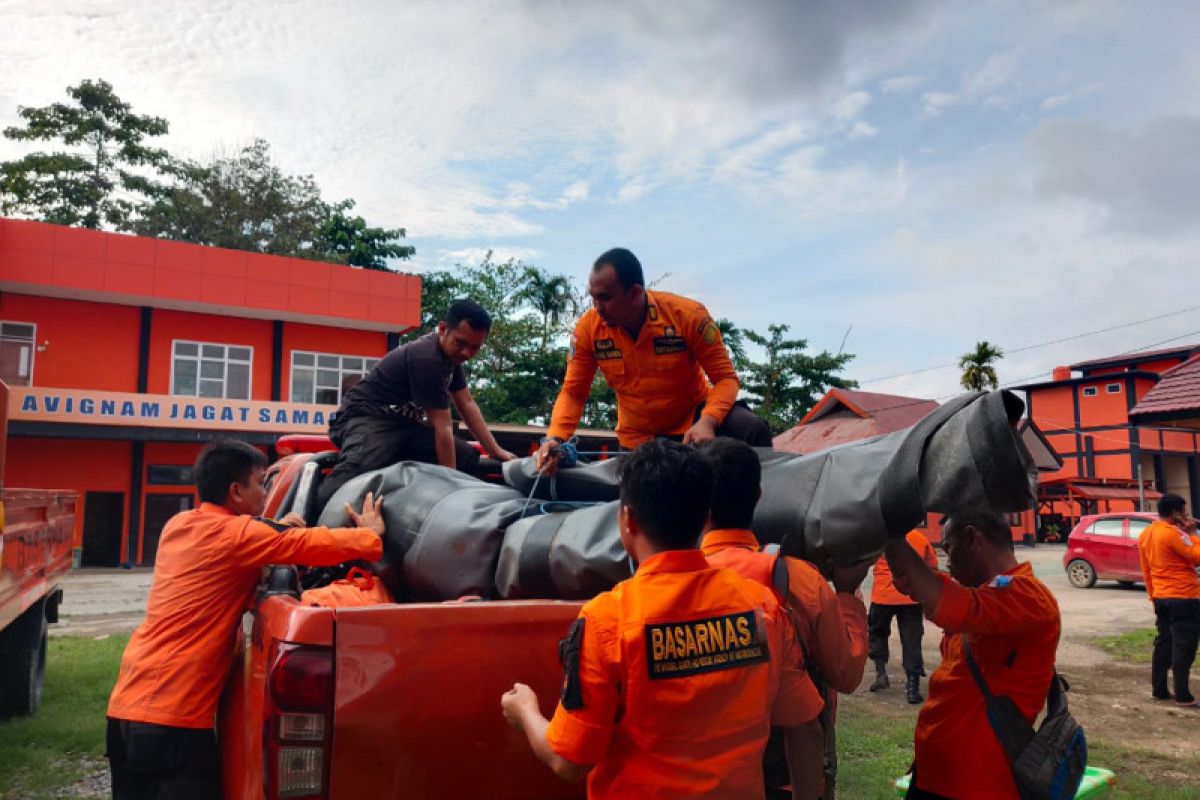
{"x":979,"y":372}
{"x":104,"y":173}
{"x":789,"y":381}
{"x":346,"y":239}
{"x":552,"y":297}
{"x":734,"y":340}
{"x":246,"y":202}
{"x":515,"y":377}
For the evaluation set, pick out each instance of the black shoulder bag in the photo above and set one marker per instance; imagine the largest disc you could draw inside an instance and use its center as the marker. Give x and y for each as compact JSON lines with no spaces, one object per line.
{"x":1047,"y":764}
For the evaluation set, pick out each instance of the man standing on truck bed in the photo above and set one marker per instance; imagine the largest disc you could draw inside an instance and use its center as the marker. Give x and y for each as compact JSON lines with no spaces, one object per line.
{"x":401,"y":410}
{"x":663,"y":356}
{"x":671,"y":677}
{"x":161,"y":742}
{"x":830,"y":623}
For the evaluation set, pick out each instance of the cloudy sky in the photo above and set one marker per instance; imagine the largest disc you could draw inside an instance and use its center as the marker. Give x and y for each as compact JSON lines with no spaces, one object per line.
{"x":923,"y":174}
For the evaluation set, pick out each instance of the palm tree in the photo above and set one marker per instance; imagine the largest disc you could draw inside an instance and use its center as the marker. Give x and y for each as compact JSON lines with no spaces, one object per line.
{"x":977,"y":366}
{"x":551,"y":297}
{"x":734,"y":340}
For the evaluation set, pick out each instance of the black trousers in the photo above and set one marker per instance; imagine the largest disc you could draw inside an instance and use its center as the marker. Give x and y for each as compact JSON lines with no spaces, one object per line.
{"x":156,"y":762}
{"x":911,"y":623}
{"x":367,"y":443}
{"x":1178,"y":625}
{"x":741,"y":423}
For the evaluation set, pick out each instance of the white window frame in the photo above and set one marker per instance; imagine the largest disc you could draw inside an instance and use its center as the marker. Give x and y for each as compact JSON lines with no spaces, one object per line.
{"x":341,"y":370}
{"x":1112,"y":388}
{"x":225,"y":360}
{"x":1091,"y":391}
{"x":33,"y":343}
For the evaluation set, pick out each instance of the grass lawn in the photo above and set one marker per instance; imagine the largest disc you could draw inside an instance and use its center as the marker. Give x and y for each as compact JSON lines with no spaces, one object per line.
{"x":1134,"y":647}
{"x":875,"y":747}
{"x":52,"y":750}
{"x":48,"y":751}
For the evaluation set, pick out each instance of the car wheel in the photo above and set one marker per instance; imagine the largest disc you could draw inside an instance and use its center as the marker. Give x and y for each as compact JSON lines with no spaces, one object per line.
{"x":1080,"y":574}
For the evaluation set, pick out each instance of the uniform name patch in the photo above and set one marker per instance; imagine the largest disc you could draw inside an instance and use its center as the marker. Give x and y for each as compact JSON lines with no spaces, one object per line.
{"x":669,"y":344}
{"x":606,"y":350}
{"x":675,"y":650}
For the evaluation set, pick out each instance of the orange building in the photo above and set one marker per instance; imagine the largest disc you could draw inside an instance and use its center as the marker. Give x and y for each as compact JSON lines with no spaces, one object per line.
{"x":125,"y":354}
{"x":1118,"y":453}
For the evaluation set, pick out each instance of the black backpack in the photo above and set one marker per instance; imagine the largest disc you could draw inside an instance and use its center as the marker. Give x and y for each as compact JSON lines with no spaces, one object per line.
{"x":1047,"y":764}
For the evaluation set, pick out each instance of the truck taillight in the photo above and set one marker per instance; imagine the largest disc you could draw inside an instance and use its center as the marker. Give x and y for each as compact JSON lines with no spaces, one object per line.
{"x":299,"y":730}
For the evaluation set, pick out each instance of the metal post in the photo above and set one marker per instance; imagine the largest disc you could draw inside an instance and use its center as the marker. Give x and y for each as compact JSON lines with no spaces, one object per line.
{"x":1141,"y":486}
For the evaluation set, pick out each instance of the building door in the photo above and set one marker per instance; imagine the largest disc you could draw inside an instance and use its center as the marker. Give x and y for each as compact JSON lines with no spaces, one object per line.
{"x":103,"y":513}
{"x":159,"y":509}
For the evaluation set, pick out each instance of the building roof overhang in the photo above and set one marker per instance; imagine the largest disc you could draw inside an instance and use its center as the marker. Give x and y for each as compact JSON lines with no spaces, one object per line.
{"x":94,"y":266}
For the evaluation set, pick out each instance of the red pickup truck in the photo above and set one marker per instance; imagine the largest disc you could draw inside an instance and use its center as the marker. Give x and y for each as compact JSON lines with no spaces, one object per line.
{"x":37,"y":541}
{"x":386,"y":701}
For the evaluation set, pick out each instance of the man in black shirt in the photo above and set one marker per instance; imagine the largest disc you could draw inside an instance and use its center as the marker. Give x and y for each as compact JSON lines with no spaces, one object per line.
{"x":401,"y":410}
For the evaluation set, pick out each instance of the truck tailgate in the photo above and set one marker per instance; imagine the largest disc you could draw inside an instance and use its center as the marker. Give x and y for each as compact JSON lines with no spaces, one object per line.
{"x":417,"y":699}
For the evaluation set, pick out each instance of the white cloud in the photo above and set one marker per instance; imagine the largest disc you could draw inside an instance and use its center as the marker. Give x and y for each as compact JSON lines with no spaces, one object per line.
{"x":901,"y":84}
{"x":934,"y":103}
{"x":861,"y":130}
{"x":851,"y":107}
{"x":1144,"y":181}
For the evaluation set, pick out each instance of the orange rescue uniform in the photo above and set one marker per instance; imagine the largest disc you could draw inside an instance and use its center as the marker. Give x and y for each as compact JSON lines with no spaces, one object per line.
{"x":209,"y":561}
{"x":1169,"y":557}
{"x":831,"y":625}
{"x":1013,"y":626}
{"x":659,"y":379}
{"x":883,"y":589}
{"x":679,"y":674}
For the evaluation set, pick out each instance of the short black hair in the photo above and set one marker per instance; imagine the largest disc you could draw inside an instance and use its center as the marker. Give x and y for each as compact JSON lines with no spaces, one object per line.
{"x":625,"y":264}
{"x":989,"y":524}
{"x":223,"y":462}
{"x":472,"y":312}
{"x":737,"y":478}
{"x":667,"y":487}
{"x":1169,"y":504}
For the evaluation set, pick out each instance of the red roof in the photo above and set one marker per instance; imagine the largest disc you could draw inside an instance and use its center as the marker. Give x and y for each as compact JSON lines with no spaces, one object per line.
{"x":846,"y":415}
{"x":1178,"y":390}
{"x":1137,"y":358}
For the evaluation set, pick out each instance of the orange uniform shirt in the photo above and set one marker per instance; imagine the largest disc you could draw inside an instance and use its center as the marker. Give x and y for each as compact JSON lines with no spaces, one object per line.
{"x":679,"y":674}
{"x":1013,"y":626}
{"x":832,"y":625}
{"x":883,"y":589}
{"x":1169,"y":557}
{"x":209,"y":562}
{"x":659,"y":379}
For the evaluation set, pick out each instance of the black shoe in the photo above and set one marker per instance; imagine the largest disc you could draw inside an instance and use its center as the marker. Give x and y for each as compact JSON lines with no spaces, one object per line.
{"x":881,"y":682}
{"x":1161,"y":697}
{"x":912,"y":690}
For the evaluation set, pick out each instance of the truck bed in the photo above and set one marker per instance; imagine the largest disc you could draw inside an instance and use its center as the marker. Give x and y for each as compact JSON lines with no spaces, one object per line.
{"x":36,"y":547}
{"x":416,"y":700}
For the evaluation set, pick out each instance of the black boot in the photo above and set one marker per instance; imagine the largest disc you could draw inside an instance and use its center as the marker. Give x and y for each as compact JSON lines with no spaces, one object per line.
{"x":912,"y":690}
{"x":881,"y":678}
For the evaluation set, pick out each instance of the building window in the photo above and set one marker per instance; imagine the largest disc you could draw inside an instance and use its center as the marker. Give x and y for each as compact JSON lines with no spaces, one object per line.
{"x":170,"y":475}
{"x":201,"y":369}
{"x":1113,"y":388}
{"x":324,"y":377}
{"x":1090,"y":391}
{"x":16,"y":352}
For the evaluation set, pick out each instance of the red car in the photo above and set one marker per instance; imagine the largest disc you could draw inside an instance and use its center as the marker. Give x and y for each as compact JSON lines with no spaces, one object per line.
{"x":1104,"y":547}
